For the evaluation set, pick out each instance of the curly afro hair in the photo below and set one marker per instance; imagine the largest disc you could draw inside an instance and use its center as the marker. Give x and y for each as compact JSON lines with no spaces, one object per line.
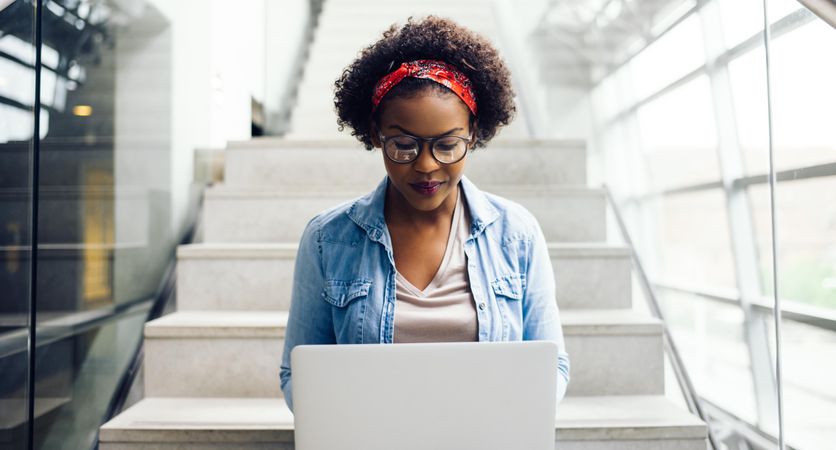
{"x":432,"y":37}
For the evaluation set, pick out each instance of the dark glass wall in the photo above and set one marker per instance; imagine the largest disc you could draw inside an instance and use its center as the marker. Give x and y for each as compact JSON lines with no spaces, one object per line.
{"x":17,"y":106}
{"x":103,"y":195}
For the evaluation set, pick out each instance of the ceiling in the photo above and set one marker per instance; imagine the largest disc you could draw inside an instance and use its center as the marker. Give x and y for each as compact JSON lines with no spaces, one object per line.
{"x":580,"y":41}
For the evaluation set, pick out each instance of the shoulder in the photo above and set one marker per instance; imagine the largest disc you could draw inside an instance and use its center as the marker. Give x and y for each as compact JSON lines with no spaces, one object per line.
{"x":514,"y":220}
{"x":334,"y":224}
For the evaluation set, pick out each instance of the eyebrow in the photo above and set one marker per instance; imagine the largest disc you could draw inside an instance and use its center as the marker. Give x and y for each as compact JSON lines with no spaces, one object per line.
{"x":413,"y":134}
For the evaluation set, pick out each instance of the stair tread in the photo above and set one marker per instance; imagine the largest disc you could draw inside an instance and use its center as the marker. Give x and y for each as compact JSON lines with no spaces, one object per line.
{"x":588,"y":249}
{"x":269,"y":419}
{"x":273,"y":323}
{"x":278,"y":144}
{"x":608,"y":321}
{"x":237,"y":250}
{"x":219,"y":324}
{"x":209,"y":250}
{"x":225,"y":191}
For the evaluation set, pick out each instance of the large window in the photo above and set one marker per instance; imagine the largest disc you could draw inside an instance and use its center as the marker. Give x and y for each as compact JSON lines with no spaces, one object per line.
{"x":684,"y":126}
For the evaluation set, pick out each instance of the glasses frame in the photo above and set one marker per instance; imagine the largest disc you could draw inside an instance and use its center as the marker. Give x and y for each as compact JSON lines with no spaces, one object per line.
{"x":421,"y":141}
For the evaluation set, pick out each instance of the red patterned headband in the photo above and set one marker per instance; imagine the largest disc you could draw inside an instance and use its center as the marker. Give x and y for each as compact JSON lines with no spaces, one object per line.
{"x":438,"y":71}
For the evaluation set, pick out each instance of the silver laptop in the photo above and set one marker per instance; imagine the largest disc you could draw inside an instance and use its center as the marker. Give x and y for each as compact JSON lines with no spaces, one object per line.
{"x":477,"y":395}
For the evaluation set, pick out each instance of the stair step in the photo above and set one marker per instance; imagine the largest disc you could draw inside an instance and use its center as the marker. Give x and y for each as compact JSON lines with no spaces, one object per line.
{"x":582,"y":423}
{"x":255,"y":276}
{"x":592,"y":275}
{"x":235,"y":277}
{"x":613,"y":352}
{"x":233,"y":214}
{"x":340,"y":165}
{"x":324,"y":125}
{"x":238,"y":354}
{"x":214,"y":354}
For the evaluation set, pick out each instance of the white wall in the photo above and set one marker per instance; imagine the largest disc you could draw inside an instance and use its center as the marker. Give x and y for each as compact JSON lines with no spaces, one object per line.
{"x":219,"y":62}
{"x":286,"y":23}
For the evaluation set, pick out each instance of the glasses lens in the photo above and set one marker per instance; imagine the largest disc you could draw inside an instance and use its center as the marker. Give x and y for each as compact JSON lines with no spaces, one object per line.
{"x":449,"y":149}
{"x":402,"y":148}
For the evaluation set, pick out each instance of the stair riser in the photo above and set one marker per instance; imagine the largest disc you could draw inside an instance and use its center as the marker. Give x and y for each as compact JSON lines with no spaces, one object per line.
{"x":615,"y":364}
{"x":593,"y":283}
{"x":237,"y":367}
{"x":582,"y":423}
{"x":234,"y":284}
{"x":663,"y":444}
{"x":195,"y":445}
{"x":212,"y":367}
{"x":640,"y":444}
{"x":240,"y":284}
{"x":564,"y":218}
{"x":357,"y":169}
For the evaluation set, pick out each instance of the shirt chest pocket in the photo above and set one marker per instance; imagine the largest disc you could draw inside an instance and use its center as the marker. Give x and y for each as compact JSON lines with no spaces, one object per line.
{"x":508,"y":291}
{"x":349,"y":301}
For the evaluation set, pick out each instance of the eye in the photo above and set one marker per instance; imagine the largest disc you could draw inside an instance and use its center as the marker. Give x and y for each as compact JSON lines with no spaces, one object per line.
{"x":449,"y":144}
{"x":404,"y":143}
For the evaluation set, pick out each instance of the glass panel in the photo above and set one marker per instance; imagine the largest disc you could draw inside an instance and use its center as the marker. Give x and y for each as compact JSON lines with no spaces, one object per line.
{"x":709,"y":337}
{"x":806,"y":212}
{"x":743,"y":20}
{"x":804,"y":103}
{"x":708,"y":240}
{"x":105,"y":226}
{"x":809,"y":368}
{"x":80,"y":372}
{"x":747,"y":76}
{"x":17,"y":88}
{"x":679,"y":136}
{"x":803,"y":100}
{"x":670,"y":57}
{"x":803,"y":97}
{"x":693,"y":247}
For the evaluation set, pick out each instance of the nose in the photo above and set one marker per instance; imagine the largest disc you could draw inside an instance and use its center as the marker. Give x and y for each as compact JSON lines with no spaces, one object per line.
{"x":425,"y":162}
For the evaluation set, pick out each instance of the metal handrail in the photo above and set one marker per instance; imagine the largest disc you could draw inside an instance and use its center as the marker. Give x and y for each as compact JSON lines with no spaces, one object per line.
{"x":685,"y":384}
{"x":825,"y":9}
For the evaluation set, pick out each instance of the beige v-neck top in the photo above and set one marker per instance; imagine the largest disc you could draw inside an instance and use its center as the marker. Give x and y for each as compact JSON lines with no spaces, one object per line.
{"x":444,"y":311}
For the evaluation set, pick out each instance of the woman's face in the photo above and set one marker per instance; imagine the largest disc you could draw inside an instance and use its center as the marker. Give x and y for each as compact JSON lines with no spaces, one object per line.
{"x":426,"y":115}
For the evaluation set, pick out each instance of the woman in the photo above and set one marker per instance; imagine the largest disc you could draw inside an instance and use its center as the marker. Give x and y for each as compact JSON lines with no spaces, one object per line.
{"x":426,"y":256}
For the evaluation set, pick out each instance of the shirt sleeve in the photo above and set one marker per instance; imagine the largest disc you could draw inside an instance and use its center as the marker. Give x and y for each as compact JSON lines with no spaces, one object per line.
{"x":309,"y":317}
{"x":541,"y":318}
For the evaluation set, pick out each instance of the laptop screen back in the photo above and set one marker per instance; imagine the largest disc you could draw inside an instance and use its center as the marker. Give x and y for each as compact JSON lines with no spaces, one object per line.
{"x":476,"y":395}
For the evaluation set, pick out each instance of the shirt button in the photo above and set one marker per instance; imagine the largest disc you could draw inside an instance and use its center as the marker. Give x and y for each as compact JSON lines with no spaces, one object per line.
{"x":482,"y":306}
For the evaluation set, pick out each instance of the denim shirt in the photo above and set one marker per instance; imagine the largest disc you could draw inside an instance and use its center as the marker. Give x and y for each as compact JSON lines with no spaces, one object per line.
{"x":344,"y":278}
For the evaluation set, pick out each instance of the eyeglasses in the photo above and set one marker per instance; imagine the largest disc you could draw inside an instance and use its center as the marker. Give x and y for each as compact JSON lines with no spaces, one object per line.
{"x":404,"y":149}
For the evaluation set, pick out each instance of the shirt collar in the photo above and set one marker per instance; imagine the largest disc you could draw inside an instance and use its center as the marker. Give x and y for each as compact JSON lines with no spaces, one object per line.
{"x":367,"y":211}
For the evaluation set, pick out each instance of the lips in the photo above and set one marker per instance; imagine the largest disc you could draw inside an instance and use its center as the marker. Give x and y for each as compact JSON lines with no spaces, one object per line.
{"x":426,"y":184}
{"x":426,"y":187}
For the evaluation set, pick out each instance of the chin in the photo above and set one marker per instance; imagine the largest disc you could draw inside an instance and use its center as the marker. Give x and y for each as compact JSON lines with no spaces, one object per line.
{"x":422,"y":203}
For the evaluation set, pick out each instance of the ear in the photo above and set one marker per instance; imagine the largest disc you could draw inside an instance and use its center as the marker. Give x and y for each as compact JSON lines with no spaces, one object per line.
{"x":474,"y":127}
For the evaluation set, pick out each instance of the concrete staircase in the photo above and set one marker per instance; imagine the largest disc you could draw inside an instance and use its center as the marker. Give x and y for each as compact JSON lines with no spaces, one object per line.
{"x":212,"y":368}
